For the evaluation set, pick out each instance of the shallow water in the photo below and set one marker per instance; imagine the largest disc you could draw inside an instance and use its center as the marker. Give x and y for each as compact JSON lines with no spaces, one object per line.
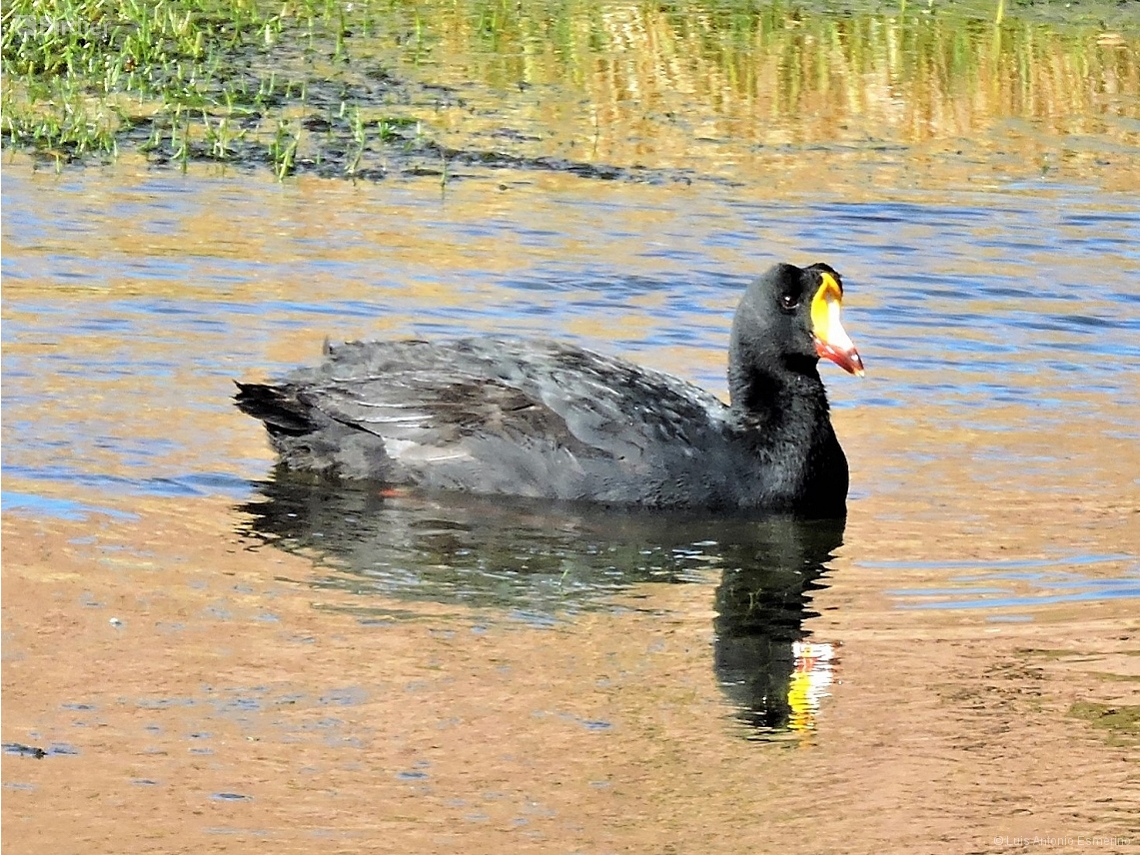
{"x":210,"y":658}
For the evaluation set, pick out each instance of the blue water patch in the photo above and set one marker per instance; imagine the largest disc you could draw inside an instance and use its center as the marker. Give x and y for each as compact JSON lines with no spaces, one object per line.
{"x":188,"y":485}
{"x":412,"y":776}
{"x":35,"y":505}
{"x":596,"y":724}
{"x":346,"y":696}
{"x":1022,"y":589}
{"x":21,"y":750}
{"x":55,"y":749}
{"x":1006,"y":565}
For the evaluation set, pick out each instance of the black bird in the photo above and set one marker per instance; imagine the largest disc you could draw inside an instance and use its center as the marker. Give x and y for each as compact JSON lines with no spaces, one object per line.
{"x":551,"y":420}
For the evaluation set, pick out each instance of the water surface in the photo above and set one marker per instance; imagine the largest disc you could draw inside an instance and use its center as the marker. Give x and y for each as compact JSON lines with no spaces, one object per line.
{"x":210,"y":657}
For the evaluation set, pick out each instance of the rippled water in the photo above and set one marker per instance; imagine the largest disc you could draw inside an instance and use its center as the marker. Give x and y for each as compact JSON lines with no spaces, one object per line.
{"x":495,"y":670}
{"x":960,"y":305}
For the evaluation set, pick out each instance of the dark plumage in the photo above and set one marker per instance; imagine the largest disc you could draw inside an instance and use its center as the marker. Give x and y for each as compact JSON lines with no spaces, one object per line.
{"x":552,"y":420}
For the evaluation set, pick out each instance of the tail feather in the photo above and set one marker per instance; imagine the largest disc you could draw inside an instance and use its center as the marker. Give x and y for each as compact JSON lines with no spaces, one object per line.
{"x":277,"y":406}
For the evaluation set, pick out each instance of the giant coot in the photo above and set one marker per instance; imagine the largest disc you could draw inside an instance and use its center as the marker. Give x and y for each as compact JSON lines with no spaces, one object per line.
{"x":552,"y":420}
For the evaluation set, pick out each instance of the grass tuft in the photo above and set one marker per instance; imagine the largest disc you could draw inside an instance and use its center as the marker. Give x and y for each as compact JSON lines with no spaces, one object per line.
{"x":181,"y":80}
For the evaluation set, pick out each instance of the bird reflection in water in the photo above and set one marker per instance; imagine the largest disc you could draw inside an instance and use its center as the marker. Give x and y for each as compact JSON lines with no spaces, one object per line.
{"x":544,"y":560}
{"x":764,"y":658}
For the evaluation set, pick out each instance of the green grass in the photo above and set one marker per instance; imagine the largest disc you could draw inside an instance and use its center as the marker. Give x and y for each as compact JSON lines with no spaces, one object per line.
{"x":224,"y":80}
{"x":1119,"y":719}
{"x":78,"y":74}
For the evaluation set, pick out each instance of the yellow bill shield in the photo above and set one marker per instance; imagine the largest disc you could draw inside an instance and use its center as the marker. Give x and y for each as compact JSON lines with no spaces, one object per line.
{"x":831,"y":340}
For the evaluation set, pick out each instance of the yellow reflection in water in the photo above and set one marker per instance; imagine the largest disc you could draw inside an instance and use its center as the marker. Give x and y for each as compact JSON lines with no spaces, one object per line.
{"x":658,"y":84}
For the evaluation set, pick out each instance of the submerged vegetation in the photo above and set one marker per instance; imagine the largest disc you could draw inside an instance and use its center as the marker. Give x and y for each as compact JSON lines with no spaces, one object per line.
{"x":359,"y":88}
{"x":1122,"y":721}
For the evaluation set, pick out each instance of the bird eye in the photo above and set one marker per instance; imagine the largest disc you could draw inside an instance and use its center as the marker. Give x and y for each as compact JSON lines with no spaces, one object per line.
{"x":789,"y":301}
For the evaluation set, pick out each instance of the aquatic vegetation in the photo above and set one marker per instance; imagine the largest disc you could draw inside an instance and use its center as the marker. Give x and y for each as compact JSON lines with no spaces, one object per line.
{"x":225,"y":80}
{"x":358,"y":89}
{"x":1122,"y":721}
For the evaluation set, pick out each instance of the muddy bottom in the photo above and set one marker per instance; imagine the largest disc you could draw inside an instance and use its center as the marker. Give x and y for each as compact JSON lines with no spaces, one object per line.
{"x":224,"y":698}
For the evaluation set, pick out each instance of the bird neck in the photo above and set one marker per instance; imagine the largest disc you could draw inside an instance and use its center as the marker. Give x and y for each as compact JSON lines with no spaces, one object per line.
{"x":774,"y":400}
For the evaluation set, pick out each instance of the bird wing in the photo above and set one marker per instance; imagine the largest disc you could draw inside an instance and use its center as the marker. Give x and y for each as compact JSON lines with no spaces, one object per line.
{"x":536,"y":411}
